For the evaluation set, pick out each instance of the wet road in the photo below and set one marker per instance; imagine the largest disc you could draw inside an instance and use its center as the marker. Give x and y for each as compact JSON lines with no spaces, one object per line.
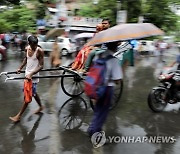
{"x":62,"y":126}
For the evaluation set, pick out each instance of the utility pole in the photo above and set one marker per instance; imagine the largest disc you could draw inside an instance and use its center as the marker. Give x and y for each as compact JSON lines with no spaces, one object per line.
{"x":118,"y":5}
{"x":117,"y":11}
{"x":95,"y":2}
{"x":121,"y":14}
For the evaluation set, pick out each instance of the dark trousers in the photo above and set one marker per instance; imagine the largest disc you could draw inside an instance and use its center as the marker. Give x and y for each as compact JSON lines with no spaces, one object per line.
{"x":101,"y":111}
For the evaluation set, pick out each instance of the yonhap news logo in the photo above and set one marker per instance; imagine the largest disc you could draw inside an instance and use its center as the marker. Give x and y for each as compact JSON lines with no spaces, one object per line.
{"x":98,"y":139}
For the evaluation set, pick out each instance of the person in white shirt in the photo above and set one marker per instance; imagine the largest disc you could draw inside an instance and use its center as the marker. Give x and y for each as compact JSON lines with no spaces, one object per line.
{"x":34,"y":61}
{"x":113,"y":76}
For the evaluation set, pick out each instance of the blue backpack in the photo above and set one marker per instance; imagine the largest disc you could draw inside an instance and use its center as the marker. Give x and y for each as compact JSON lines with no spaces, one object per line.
{"x":94,"y":85}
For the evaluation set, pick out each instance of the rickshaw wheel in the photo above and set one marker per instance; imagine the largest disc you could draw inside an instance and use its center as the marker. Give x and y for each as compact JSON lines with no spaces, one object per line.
{"x":72,"y":86}
{"x":118,"y":89}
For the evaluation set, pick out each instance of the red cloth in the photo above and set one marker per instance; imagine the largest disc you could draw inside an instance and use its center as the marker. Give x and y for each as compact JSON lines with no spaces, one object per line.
{"x":81,"y":58}
{"x":28,"y":91}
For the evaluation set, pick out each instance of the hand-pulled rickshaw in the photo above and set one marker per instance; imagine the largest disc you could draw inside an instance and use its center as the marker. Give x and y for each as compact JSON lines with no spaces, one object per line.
{"x":72,"y":80}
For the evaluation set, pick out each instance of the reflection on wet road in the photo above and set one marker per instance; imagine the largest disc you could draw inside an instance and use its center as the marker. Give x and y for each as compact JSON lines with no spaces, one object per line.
{"x":132,"y":117}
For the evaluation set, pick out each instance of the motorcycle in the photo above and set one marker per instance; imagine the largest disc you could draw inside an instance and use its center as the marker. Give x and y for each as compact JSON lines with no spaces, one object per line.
{"x":168,"y":91}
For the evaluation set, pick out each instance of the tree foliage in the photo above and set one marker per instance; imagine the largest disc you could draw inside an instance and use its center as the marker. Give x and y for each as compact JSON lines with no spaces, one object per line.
{"x":17,"y":2}
{"x":4,"y":26}
{"x":18,"y":19}
{"x":159,"y":13}
{"x":133,"y":8}
{"x":21,"y":18}
{"x":109,"y":9}
{"x":6,"y":2}
{"x":155,"y":11}
{"x":40,"y":10}
{"x":102,"y":9}
{"x":177,"y":2}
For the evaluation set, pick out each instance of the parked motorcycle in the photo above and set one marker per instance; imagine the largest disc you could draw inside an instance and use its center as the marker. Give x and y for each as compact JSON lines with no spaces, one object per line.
{"x":168,"y":91}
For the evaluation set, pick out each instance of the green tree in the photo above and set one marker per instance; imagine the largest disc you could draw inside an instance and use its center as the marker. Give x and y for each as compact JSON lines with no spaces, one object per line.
{"x":102,"y":9}
{"x":159,"y":13}
{"x":155,"y":11}
{"x":17,"y":2}
{"x":133,"y":8}
{"x":43,"y":1}
{"x":21,"y":18}
{"x":4,"y":26}
{"x":40,"y":11}
{"x":109,"y":8}
{"x":18,"y":19}
{"x":40,"y":8}
{"x":177,"y":2}
{"x":6,"y":2}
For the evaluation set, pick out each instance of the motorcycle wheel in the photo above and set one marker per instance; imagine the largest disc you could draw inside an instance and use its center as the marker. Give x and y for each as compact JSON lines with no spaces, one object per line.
{"x":155,"y":100}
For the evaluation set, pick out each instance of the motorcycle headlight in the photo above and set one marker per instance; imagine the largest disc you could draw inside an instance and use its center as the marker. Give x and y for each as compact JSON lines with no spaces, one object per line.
{"x":162,"y":77}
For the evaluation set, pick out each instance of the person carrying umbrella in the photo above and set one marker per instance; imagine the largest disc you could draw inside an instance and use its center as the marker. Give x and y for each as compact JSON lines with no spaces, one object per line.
{"x":113,"y":76}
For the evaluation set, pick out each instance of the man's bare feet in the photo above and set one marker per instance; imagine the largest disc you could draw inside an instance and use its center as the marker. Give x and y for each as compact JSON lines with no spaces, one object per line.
{"x":39,"y":110}
{"x":15,"y":118}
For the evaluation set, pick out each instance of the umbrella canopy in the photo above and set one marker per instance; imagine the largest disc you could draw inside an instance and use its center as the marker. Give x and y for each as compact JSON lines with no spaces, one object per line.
{"x":125,"y":32}
{"x":55,"y":32}
{"x":84,"y":35}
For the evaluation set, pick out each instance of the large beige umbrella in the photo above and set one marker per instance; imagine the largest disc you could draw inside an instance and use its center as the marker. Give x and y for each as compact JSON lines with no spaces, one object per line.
{"x":54,"y":32}
{"x":125,"y":32}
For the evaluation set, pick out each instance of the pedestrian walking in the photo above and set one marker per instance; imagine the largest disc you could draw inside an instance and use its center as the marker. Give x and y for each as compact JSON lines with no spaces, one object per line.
{"x":55,"y":54}
{"x":34,"y":61}
{"x":7,"y":40}
{"x":113,"y":76}
{"x":23,"y":43}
